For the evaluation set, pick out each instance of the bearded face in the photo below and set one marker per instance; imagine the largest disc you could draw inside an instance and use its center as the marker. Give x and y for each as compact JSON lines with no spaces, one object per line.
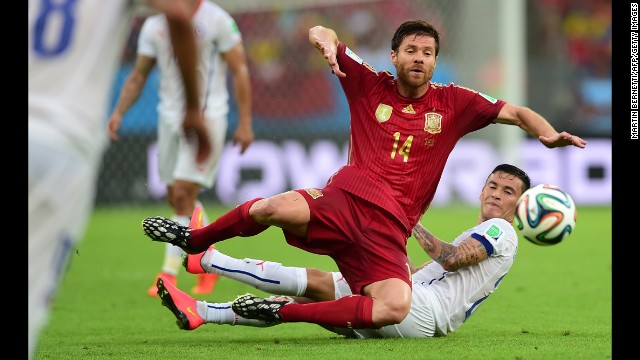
{"x":415,"y":60}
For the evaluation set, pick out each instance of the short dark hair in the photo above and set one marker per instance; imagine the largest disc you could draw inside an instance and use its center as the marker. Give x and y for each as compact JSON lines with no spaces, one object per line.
{"x":515,"y":171}
{"x":414,"y":27}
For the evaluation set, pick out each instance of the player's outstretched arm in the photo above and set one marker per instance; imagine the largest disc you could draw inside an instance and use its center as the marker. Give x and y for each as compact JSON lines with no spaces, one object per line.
{"x":326,"y":40}
{"x":537,"y":126}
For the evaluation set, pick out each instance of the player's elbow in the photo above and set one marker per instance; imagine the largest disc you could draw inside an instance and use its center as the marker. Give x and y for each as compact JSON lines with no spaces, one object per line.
{"x":450,"y":264}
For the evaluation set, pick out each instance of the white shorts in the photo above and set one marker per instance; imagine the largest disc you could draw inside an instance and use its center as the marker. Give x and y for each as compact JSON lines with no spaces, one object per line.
{"x":176,"y":157}
{"x":62,"y":183}
{"x":419,"y":323}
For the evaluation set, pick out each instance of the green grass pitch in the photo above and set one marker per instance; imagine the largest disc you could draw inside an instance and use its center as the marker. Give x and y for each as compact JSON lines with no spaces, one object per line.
{"x":555,"y":303}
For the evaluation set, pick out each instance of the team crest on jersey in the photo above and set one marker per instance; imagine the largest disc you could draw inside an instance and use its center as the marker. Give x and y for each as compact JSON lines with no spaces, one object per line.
{"x":383,"y":112}
{"x":432,"y":123}
{"x":314,"y":193}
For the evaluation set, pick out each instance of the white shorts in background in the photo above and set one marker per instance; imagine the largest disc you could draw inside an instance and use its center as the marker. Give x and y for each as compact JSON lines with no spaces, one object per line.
{"x":62,"y":183}
{"x":176,"y":157}
{"x":419,"y":323}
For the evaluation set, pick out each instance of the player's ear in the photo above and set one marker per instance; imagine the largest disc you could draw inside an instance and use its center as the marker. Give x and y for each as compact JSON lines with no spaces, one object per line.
{"x":394,"y":58}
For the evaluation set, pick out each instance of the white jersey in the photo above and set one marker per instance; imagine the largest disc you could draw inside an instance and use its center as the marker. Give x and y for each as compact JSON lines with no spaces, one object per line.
{"x":84,"y":38}
{"x":459,"y":293}
{"x":74,"y":49}
{"x":442,"y":301}
{"x":216,"y":33}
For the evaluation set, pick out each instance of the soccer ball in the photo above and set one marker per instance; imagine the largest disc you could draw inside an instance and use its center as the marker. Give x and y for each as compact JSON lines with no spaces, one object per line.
{"x":545,"y":214}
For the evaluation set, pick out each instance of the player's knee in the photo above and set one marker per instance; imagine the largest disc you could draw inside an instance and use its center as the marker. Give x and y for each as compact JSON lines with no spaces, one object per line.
{"x":390,"y":311}
{"x":263,"y":210}
{"x":319,"y":285}
{"x":183,"y":197}
{"x":273,"y":209}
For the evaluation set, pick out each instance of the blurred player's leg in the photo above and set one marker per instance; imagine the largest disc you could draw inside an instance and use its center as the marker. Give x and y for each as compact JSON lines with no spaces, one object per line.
{"x":62,"y":178}
{"x":173,"y":258}
{"x":172,"y":261}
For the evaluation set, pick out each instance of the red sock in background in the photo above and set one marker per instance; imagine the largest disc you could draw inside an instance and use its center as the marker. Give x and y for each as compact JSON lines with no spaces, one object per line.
{"x":236,"y":222}
{"x":353,"y":312}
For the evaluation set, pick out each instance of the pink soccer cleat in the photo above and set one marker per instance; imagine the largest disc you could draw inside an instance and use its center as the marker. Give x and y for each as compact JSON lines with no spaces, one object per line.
{"x":181,"y":305}
{"x":153,"y":290}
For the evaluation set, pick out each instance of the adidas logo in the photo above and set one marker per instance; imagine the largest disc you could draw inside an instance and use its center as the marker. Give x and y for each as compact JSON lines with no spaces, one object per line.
{"x":409,"y":110}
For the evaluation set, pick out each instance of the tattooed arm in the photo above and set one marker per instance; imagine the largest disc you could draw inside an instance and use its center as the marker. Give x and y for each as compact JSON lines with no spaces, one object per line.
{"x":451,"y":257}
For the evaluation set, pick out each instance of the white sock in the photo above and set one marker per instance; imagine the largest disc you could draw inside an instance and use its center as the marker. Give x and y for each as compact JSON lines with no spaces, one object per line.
{"x":267,"y":276}
{"x":221,"y":313}
{"x":173,"y":254}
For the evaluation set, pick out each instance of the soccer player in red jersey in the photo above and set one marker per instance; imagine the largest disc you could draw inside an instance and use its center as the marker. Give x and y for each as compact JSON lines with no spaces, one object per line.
{"x":402,"y":132}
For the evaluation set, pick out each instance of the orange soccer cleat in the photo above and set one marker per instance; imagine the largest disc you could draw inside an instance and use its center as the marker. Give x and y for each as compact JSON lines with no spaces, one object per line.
{"x":205,"y":284}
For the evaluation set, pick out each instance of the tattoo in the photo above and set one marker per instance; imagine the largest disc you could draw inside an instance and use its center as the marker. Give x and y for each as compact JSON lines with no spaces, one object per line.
{"x":470,"y":252}
{"x":447,"y":252}
{"x":451,"y":257}
{"x":426,"y":239}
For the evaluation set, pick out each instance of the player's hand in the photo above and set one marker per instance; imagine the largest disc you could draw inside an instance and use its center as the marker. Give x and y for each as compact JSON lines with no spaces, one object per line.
{"x":113,"y":125}
{"x":244,"y":137}
{"x":196,"y":133}
{"x":562,"y":139}
{"x":329,"y":51}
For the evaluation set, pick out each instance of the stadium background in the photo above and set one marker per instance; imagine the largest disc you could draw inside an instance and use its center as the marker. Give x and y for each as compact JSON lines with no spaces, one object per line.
{"x":551,"y":55}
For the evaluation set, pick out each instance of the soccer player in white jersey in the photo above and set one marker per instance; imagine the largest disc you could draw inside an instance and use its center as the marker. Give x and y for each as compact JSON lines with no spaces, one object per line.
{"x":74,"y":51}
{"x":446,"y":290}
{"x":220,"y":48}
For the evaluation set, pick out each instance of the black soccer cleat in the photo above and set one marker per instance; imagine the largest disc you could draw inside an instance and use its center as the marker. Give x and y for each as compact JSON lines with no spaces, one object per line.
{"x":162,"y":229}
{"x":254,"y":307}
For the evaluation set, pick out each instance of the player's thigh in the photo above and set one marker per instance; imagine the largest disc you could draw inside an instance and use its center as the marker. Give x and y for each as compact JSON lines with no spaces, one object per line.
{"x":287,"y":210}
{"x":62,"y":182}
{"x":392,"y":294}
{"x":203,"y":174}
{"x":217,"y":128}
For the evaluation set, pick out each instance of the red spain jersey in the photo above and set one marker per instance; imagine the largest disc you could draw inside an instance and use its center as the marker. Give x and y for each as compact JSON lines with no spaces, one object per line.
{"x":398,"y":146}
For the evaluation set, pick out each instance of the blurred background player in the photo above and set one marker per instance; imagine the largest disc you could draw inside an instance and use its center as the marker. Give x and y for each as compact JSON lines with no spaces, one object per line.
{"x":220,"y":47}
{"x":71,"y":69}
{"x":446,"y":290}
